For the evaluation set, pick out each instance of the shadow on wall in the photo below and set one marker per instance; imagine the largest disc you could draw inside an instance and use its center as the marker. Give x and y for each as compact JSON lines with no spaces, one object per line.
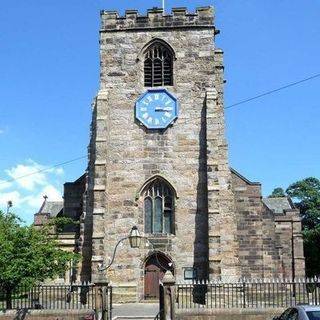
{"x":201,"y":215}
{"x":85,"y":273}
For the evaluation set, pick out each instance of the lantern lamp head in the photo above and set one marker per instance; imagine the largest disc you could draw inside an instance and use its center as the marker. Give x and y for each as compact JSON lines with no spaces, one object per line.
{"x":135,"y":237}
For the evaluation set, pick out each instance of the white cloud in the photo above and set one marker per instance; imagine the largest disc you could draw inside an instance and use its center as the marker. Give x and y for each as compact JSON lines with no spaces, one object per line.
{"x":52,"y":193}
{"x":29,"y":176}
{"x":36,"y":200}
{"x":59,"y":171}
{"x":13,"y":196}
{"x":28,"y":186}
{"x":5,"y":184}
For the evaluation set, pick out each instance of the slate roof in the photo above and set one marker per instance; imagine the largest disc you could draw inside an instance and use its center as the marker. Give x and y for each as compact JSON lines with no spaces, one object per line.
{"x":278,"y":205}
{"x":53,"y":208}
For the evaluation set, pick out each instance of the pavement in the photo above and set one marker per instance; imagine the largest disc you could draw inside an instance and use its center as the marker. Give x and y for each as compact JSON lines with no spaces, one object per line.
{"x":126,"y":311}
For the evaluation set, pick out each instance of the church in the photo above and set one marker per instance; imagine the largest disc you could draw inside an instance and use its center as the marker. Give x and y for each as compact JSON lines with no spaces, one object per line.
{"x":158,"y":160}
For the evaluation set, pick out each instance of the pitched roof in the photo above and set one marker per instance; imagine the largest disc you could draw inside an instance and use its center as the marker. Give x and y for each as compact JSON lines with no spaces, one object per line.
{"x":53,"y":208}
{"x":244,"y":178}
{"x":279,"y":204}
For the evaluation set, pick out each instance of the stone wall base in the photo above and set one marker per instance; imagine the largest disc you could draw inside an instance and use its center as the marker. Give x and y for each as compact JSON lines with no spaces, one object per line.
{"x":25,"y":314}
{"x":124,"y":293}
{"x":229,"y":314}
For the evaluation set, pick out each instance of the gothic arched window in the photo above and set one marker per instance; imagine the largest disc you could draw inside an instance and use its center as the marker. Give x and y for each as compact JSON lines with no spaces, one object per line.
{"x":158,"y":201}
{"x":158,"y":65}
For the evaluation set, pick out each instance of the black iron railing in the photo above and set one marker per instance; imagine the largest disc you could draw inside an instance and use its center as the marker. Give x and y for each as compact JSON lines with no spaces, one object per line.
{"x":82,"y":296}
{"x":159,"y":315}
{"x":248,"y":294}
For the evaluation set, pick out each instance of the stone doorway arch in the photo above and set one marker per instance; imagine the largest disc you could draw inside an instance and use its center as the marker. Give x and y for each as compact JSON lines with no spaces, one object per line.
{"x":155,"y":267}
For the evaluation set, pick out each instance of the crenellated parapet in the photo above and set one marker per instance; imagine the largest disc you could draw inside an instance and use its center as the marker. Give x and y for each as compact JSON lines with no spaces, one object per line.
{"x":156,"y":18}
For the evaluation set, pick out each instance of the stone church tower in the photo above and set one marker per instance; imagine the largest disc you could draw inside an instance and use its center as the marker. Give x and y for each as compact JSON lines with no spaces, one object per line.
{"x":158,"y":160}
{"x":171,"y":180}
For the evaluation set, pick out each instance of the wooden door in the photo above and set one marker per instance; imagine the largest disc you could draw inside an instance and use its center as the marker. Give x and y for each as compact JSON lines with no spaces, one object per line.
{"x":155,"y":268}
{"x":152,"y":275}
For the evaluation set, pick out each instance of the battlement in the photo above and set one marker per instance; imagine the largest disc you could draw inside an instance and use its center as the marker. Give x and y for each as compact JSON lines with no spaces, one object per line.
{"x":155,"y":18}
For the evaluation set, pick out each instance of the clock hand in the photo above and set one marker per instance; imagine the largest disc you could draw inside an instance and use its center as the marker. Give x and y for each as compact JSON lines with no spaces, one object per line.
{"x":163,"y":109}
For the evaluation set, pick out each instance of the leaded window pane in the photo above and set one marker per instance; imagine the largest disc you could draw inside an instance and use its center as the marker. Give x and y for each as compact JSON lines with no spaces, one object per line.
{"x":159,"y":207}
{"x":158,"y":215}
{"x":167,"y":222}
{"x":167,"y":215}
{"x":148,"y":215}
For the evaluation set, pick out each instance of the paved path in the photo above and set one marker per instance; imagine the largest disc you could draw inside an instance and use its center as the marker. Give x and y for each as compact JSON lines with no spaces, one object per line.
{"x":135,"y":310}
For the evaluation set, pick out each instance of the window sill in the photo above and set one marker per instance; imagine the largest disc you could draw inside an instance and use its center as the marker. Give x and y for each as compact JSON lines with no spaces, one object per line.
{"x":159,"y":235}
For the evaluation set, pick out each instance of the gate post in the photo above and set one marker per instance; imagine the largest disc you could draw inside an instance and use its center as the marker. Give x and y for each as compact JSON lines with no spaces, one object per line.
{"x":102,"y":300}
{"x":168,"y":296}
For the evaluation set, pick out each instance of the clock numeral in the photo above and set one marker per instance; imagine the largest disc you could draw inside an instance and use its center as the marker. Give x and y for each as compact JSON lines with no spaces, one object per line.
{"x":156,"y":109}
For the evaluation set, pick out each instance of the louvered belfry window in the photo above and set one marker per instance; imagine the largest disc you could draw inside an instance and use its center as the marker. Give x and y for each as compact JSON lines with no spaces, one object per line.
{"x":158,"y":208}
{"x":158,"y":67}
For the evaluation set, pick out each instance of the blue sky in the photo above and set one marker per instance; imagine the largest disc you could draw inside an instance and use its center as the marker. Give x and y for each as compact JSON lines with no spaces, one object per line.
{"x":49,"y":71}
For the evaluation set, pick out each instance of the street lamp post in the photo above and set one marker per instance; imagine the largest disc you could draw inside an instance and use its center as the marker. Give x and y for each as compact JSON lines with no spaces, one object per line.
{"x":134,"y":238}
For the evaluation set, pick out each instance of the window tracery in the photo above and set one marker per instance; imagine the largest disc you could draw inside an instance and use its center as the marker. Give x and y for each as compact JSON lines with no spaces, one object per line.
{"x":158,"y":202}
{"x":158,"y":66}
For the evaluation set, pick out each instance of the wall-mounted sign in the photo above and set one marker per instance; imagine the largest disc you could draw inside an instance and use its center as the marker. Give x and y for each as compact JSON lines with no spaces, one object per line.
{"x":190,"y":273}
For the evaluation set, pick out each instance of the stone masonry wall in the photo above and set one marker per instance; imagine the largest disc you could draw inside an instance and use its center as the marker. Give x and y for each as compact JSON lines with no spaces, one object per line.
{"x":73,"y":196}
{"x":265,"y":239}
{"x":222,"y":226}
{"x":124,"y":155}
{"x":229,"y":314}
{"x":290,"y":244}
{"x":249,"y":225}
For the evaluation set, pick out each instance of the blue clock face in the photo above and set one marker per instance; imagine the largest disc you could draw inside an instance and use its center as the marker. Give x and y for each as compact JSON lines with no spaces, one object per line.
{"x":156,"y":109}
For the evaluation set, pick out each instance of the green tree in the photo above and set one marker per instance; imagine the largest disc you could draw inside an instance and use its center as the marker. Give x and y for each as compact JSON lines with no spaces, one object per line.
{"x":277,"y":193}
{"x":60,"y":223}
{"x":28,"y":255}
{"x":306,"y":194}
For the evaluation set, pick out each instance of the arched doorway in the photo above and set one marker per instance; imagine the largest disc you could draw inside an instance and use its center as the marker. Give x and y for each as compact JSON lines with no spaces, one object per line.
{"x":155,"y":267}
